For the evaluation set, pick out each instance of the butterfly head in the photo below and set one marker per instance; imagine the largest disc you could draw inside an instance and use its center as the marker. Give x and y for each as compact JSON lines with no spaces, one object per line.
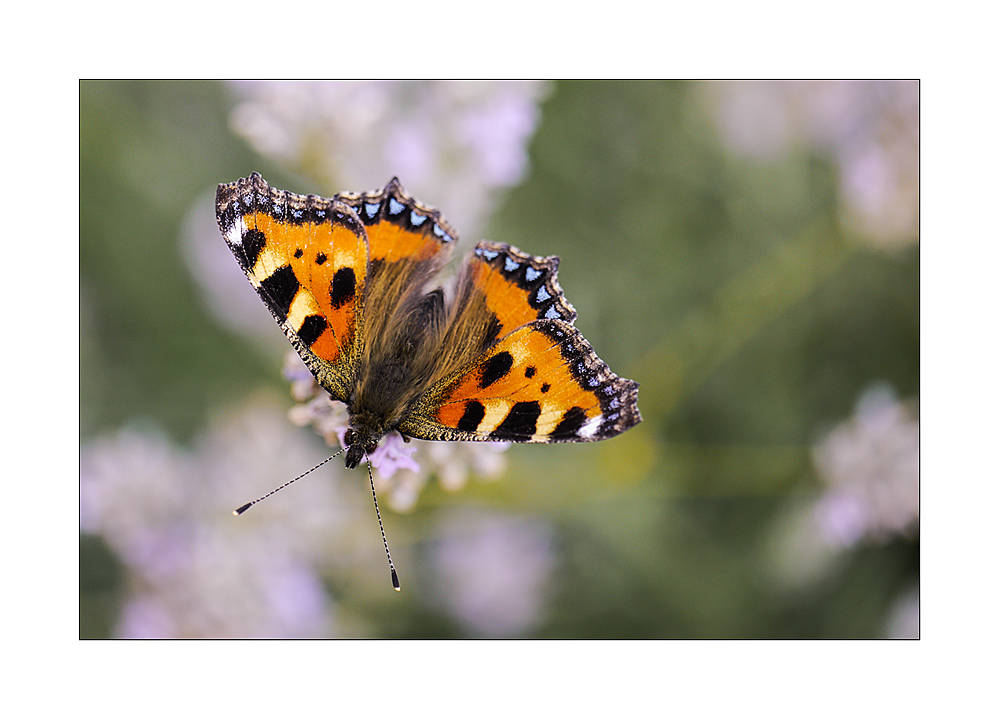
{"x":358,"y":445}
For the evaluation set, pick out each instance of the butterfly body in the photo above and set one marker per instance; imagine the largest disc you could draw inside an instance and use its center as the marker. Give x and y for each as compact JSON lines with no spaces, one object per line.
{"x":494,"y":357}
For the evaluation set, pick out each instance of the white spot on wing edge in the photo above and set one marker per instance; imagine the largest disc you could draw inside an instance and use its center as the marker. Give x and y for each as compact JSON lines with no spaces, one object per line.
{"x":234,"y":235}
{"x":589,"y":428}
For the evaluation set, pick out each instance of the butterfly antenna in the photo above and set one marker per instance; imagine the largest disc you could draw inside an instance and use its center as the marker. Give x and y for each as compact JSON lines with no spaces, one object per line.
{"x":243,"y":508}
{"x":385,"y":543}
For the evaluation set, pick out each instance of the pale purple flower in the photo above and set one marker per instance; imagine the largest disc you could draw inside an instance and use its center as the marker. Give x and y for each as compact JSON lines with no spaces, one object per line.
{"x":869,"y":467}
{"x":394,"y":454}
{"x":194,"y":570}
{"x":869,"y":129}
{"x":400,"y":470}
{"x":492,"y":572}
{"x":454,"y":144}
{"x":870,"y":464}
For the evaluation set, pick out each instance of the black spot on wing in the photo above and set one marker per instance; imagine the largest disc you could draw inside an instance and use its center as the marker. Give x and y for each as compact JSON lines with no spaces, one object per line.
{"x":278,"y":290}
{"x":496,"y":368}
{"x":473,"y":415}
{"x":520,"y":423}
{"x":312,"y":327}
{"x":253,"y":242}
{"x":572,"y":420}
{"x":342,"y":287}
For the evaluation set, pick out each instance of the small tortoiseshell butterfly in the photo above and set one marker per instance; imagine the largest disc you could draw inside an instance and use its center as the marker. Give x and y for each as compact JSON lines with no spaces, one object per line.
{"x":498,"y":360}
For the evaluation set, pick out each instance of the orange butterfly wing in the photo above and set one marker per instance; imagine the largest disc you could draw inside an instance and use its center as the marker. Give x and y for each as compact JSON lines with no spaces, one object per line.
{"x":537,"y":378}
{"x":399,"y":228}
{"x":307,"y":257}
{"x":408,"y":244}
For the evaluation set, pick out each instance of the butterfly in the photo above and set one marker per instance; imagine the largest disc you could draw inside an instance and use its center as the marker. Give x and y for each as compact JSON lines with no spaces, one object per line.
{"x":495,"y":358}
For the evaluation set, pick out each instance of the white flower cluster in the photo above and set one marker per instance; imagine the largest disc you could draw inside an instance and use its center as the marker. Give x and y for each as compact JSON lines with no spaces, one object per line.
{"x":192,"y":569}
{"x":871,"y":467}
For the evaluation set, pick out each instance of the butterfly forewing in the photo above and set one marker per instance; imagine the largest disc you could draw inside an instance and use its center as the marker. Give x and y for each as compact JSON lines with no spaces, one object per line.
{"x":307,"y":258}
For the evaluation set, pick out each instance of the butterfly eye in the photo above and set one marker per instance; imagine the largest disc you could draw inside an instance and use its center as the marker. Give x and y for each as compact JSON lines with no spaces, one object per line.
{"x":370,"y":448}
{"x":349,"y":437}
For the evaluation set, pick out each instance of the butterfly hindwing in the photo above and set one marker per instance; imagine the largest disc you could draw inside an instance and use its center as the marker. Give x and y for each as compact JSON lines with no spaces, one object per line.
{"x":535,"y":378}
{"x":307,"y":257}
{"x":541,"y":383}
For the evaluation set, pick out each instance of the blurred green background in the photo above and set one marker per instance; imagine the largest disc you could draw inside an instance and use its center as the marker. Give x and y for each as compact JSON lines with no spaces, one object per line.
{"x":748,"y":252}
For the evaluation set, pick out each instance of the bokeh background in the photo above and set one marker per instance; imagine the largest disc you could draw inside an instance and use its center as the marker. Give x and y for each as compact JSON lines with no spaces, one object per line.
{"x":748,"y":252}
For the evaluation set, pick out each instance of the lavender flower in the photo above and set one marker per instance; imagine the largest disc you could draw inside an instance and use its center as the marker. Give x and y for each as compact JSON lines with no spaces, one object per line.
{"x":400,"y":469}
{"x":192,"y":569}
{"x":871,"y":129}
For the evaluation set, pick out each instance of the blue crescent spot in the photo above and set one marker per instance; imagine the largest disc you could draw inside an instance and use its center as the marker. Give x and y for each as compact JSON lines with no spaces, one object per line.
{"x":542,"y":294}
{"x":371,"y":209}
{"x":510,"y":266}
{"x":532,"y":274}
{"x":488,"y":254}
{"x":395,"y":207}
{"x":441,"y":233}
{"x":416,"y":219}
{"x":552,"y":313}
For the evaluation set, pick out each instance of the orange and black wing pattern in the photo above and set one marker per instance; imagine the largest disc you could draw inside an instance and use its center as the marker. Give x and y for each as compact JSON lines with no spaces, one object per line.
{"x":307,"y":257}
{"x":408,"y":243}
{"x":535,"y":377}
{"x":346,"y":278}
{"x":399,"y":227}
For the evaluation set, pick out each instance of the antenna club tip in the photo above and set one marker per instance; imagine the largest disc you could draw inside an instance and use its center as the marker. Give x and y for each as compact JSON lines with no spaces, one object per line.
{"x":395,"y":580}
{"x":242,"y":509}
